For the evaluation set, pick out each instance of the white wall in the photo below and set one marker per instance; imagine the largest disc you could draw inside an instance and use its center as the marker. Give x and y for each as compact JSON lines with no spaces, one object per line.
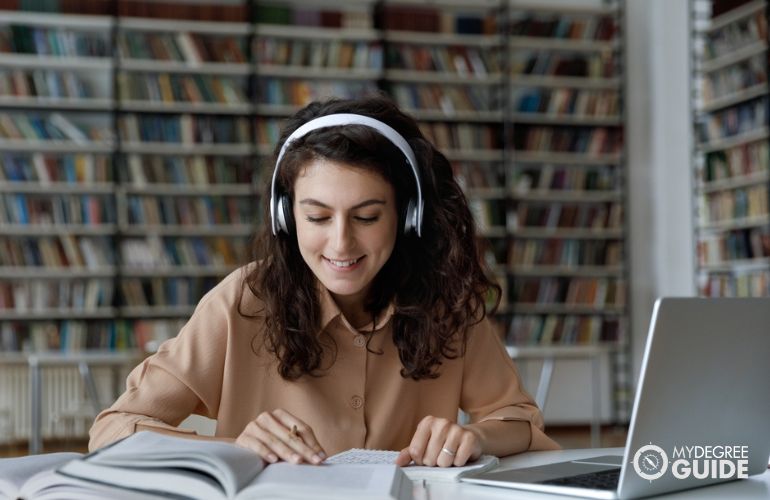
{"x":659,"y":138}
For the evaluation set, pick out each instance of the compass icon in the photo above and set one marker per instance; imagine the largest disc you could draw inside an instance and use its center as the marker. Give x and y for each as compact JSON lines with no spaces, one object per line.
{"x":650,"y":462}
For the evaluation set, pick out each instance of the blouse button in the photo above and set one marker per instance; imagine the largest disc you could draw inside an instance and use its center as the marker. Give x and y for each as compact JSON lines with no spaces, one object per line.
{"x":359,"y":341}
{"x":356,"y":402}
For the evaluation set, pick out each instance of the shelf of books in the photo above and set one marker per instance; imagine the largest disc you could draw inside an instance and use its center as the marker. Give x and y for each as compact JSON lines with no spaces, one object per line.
{"x":444,"y":65}
{"x":314,"y":51}
{"x":566,"y":257}
{"x":307,"y":52}
{"x":730,"y":53}
{"x":186,"y":159}
{"x":57,"y":207}
{"x":133,"y":148}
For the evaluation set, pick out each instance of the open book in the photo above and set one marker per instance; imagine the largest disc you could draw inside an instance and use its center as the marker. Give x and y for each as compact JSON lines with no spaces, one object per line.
{"x":33,"y":477}
{"x":156,"y":464}
{"x":415,"y":472}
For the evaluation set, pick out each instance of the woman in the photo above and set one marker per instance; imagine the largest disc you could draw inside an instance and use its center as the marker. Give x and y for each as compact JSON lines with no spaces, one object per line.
{"x":361,"y":322}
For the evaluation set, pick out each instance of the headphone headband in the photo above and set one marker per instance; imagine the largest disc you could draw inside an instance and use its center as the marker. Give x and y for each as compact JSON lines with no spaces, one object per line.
{"x":350,"y":119}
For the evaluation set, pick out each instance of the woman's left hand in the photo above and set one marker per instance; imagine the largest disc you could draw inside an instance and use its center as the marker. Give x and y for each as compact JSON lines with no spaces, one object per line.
{"x":441,"y":442}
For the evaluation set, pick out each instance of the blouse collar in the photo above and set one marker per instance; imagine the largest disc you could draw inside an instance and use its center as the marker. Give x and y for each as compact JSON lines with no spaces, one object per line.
{"x":330,"y":311}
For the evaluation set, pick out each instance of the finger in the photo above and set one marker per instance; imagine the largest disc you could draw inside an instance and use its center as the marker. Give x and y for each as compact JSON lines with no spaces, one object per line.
{"x":249,"y":442}
{"x":278,"y":437}
{"x":438,"y":435}
{"x":404,"y":458}
{"x":272,"y":443}
{"x":307,"y":444}
{"x":469,"y":449}
{"x":420,"y":440}
{"x":246,"y":440}
{"x":448,"y":452}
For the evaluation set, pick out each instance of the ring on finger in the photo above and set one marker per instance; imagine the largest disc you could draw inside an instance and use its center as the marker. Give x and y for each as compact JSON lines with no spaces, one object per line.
{"x":448,"y":451}
{"x":293,"y":434}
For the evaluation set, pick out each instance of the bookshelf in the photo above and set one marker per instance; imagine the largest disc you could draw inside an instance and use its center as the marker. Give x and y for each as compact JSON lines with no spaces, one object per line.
{"x":732,"y":230}
{"x":524,"y":99}
{"x":307,"y":52}
{"x":185,"y":160}
{"x":335,"y":44}
{"x":57,"y":209}
{"x":566,"y":252}
{"x":444,"y":64}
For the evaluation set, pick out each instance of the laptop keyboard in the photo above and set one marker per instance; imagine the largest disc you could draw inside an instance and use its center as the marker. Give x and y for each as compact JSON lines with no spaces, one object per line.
{"x":604,"y":480}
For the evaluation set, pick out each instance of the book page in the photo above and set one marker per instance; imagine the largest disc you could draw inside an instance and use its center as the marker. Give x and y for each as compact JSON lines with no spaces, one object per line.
{"x":50,"y":485}
{"x":174,"y":482}
{"x":231,"y":466}
{"x":285,"y":480}
{"x":14,"y":472}
{"x":414,"y":472}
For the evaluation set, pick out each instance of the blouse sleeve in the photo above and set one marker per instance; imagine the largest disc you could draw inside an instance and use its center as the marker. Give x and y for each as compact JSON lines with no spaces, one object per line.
{"x":492,"y":387}
{"x":183,"y":377}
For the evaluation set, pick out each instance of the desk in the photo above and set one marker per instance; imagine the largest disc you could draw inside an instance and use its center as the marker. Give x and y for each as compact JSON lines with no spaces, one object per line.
{"x":755,"y":487}
{"x":84,"y":361}
{"x":549,"y":355}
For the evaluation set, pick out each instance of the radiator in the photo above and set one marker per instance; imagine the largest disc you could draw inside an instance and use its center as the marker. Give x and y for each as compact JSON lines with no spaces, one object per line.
{"x":66,"y":410}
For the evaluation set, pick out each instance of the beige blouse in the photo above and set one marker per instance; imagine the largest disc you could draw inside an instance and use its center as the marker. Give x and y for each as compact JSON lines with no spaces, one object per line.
{"x":211,"y":369}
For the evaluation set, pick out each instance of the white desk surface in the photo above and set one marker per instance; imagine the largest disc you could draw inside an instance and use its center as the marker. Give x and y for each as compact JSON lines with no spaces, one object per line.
{"x":754,"y":487}
{"x":751,"y":488}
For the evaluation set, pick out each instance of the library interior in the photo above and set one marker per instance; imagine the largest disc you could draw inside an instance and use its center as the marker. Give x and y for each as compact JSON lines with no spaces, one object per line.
{"x":611,"y":152}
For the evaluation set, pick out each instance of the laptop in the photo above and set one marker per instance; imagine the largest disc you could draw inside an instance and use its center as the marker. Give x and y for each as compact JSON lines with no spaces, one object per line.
{"x":701,"y":414}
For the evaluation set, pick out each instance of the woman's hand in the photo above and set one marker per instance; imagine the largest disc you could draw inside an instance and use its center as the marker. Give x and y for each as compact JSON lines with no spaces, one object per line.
{"x":279,"y":435}
{"x":441,"y":442}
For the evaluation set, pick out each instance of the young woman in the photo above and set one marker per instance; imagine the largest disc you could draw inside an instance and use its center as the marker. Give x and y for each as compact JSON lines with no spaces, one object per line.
{"x":361,"y":322}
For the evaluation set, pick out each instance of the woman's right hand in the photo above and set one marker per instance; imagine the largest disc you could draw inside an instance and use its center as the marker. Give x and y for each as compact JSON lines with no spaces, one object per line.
{"x":279,"y":435}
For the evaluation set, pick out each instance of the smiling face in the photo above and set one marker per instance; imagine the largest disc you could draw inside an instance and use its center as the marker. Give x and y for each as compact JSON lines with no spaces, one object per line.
{"x":346,"y":223}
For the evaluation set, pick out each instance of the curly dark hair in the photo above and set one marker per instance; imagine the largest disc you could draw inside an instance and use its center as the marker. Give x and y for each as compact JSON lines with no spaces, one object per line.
{"x":435,"y":282}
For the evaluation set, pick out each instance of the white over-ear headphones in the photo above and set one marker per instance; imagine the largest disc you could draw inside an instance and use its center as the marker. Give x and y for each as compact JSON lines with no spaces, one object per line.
{"x":280,"y":206}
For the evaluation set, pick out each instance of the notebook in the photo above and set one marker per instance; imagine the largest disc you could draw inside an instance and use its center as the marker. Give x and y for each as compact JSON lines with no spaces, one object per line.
{"x":414,"y":472}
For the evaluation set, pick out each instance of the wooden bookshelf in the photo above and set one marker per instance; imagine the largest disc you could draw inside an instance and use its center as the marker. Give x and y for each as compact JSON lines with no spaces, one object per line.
{"x":732,"y":220}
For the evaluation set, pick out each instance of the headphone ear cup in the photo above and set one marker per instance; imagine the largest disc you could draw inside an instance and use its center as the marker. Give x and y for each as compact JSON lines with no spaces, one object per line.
{"x":410,"y":217}
{"x":285,"y":217}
